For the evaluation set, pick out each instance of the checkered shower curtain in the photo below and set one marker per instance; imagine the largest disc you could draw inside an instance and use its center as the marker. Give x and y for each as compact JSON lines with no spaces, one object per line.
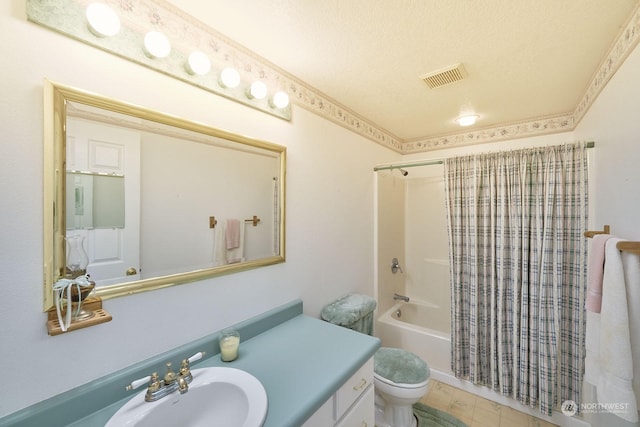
{"x":518,"y":271}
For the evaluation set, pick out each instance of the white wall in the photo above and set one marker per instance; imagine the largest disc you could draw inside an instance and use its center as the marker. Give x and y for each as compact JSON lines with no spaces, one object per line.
{"x":329,"y":237}
{"x":613,"y":122}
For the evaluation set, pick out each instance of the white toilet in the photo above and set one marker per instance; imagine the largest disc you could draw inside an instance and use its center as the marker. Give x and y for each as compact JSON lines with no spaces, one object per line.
{"x":400,"y":377}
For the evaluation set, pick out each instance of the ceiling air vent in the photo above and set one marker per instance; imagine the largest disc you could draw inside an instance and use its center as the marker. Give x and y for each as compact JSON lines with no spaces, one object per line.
{"x":445,"y":76}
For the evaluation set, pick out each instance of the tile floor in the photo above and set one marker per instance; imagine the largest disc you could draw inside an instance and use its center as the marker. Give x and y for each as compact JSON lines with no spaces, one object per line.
{"x":477,"y":411}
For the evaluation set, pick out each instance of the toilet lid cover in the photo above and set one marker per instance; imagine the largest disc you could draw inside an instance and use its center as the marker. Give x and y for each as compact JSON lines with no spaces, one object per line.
{"x":400,"y":366}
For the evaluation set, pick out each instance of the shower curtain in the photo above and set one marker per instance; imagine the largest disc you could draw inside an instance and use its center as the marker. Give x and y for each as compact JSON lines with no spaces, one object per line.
{"x":518,"y":271}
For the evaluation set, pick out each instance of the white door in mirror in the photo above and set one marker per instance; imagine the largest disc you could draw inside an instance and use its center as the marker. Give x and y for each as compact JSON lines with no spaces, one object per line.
{"x":217,"y":396}
{"x":107,"y":150}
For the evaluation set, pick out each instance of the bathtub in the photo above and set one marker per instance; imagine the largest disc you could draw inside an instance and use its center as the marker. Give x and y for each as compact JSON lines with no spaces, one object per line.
{"x":424,"y":329}
{"x":421,"y":328}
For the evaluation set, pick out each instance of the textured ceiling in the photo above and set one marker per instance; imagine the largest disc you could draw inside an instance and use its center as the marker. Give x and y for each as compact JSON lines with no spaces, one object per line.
{"x":526,"y":60}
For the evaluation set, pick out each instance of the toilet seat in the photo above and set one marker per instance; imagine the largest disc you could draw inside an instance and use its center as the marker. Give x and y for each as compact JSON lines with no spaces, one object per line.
{"x":400,"y":385}
{"x":400,"y":368}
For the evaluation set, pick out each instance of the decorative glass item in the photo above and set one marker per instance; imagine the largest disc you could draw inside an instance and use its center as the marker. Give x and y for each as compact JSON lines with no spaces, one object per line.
{"x":80,"y":286}
{"x":79,"y":293}
{"x":77,"y":259}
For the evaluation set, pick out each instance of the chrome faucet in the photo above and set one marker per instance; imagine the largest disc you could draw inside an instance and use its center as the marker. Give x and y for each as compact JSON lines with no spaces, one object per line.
{"x":398,"y":297}
{"x":158,"y":388}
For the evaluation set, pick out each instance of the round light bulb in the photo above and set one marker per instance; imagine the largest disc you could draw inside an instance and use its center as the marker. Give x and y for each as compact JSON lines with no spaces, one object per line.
{"x":103,"y":21}
{"x":157,"y":45}
{"x":229,"y":78}
{"x":258,"y":90}
{"x":280,"y":99}
{"x":198,"y":63}
{"x":467,"y":120}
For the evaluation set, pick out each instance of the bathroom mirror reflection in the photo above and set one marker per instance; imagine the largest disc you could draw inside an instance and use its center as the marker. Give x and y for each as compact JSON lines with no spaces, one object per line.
{"x":156,"y":200}
{"x":94,"y":201}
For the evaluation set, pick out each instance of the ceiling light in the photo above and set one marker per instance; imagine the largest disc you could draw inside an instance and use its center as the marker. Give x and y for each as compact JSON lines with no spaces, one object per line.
{"x":103,"y":21}
{"x":257,"y":90}
{"x":156,"y":45}
{"x":229,"y":78}
{"x":467,"y":120}
{"x":280,"y":99}
{"x":198,"y":63}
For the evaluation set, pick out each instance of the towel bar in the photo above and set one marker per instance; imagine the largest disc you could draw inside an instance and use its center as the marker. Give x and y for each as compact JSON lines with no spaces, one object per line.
{"x":213,"y":221}
{"x":629,"y":247}
{"x":255,"y":220}
{"x":590,"y":234}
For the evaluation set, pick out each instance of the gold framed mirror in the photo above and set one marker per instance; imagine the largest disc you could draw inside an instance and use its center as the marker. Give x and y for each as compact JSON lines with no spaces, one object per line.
{"x":189,"y":201}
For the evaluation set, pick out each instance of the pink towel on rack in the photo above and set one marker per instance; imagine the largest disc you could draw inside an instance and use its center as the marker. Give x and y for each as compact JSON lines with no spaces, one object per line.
{"x":232,"y":234}
{"x":596,"y":272}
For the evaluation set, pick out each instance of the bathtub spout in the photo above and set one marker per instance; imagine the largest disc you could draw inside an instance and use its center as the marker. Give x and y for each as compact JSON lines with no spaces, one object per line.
{"x":398,"y":297}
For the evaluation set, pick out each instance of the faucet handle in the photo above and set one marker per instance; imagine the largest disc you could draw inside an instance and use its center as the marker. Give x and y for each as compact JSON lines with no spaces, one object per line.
{"x":154,"y":383}
{"x":196,"y":357}
{"x":141,"y":381}
{"x":395,"y":266}
{"x":170,"y":376}
{"x":185,"y":370}
{"x":137,"y":383}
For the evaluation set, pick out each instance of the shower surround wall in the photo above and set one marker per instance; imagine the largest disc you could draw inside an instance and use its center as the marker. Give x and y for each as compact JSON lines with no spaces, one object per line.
{"x":391,"y":229}
{"x":426,"y":246}
{"x":412,"y":227}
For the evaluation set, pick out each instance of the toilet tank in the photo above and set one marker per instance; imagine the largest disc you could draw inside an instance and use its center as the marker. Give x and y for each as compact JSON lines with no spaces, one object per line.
{"x":353,"y":311}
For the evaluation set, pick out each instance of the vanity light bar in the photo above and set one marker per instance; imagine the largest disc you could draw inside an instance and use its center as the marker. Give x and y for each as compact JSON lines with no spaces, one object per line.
{"x":114,"y":28}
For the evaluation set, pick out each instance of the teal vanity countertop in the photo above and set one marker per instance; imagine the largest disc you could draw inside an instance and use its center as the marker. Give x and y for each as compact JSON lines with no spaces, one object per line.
{"x":301,"y":361}
{"x":301,"y":364}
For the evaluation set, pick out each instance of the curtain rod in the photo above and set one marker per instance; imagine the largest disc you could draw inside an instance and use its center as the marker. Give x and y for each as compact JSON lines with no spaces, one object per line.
{"x":590,"y":144}
{"x":409,"y":165}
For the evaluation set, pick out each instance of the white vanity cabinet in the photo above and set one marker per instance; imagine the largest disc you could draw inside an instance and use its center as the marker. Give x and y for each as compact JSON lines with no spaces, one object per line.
{"x":362,"y":414}
{"x":353,"y":405}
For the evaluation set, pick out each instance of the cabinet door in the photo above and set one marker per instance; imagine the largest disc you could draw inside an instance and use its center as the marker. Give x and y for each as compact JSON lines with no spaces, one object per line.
{"x":353,"y":388}
{"x":323,"y":417}
{"x":362,"y":414}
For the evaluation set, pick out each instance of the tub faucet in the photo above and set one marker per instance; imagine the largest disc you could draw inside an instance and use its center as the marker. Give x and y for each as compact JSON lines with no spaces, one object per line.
{"x":398,"y":297}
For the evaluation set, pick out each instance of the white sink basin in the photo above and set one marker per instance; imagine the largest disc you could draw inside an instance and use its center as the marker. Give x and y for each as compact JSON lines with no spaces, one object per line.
{"x":217,"y":396}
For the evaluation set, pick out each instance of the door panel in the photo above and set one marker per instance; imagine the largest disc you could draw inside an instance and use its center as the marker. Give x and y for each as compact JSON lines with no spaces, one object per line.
{"x":96,"y":148}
